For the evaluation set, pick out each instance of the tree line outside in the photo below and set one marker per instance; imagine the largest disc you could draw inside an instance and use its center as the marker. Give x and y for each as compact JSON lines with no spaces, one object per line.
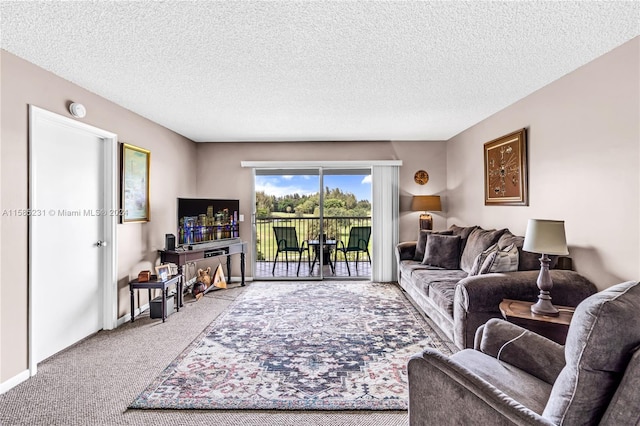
{"x":336,"y":203}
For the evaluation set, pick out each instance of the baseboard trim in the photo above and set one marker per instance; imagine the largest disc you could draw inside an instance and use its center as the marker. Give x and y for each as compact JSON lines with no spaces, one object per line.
{"x":14,"y":381}
{"x":126,"y":318}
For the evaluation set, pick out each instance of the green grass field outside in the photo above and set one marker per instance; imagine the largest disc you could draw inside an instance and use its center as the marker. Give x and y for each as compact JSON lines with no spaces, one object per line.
{"x":307,"y":227}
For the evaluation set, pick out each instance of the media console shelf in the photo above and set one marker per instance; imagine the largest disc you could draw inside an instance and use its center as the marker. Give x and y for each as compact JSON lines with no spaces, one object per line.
{"x":195,"y":253}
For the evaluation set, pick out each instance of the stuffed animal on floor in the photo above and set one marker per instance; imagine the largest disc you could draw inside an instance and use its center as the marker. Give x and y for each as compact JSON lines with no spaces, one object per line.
{"x":203,"y":281}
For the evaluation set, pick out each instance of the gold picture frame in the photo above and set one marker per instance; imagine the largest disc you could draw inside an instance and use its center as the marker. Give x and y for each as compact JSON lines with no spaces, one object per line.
{"x":505,"y":170}
{"x":134,"y":183}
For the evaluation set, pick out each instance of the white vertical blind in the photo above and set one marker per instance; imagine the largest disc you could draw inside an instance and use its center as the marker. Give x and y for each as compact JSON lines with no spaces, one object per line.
{"x":386,"y":195}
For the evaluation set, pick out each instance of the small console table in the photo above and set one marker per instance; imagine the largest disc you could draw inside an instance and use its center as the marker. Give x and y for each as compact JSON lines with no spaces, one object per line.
{"x":195,"y":253}
{"x":157,"y":284}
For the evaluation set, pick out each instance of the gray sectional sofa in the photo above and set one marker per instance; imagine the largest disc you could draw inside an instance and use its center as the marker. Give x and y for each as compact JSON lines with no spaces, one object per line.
{"x":458,"y":277}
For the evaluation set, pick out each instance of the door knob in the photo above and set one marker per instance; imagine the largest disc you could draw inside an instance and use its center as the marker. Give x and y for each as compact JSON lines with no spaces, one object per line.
{"x":101,"y":243}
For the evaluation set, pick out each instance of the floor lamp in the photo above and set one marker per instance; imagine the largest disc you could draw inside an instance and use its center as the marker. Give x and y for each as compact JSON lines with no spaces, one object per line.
{"x":426,"y":203}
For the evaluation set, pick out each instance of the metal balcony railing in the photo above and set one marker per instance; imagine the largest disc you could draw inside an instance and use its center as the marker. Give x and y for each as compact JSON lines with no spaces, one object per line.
{"x":307,"y":228}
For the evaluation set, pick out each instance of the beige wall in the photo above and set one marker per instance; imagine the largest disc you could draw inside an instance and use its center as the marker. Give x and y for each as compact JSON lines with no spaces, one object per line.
{"x":584,"y":140}
{"x":172,"y":173}
{"x":220,"y":174}
{"x":431,"y":157}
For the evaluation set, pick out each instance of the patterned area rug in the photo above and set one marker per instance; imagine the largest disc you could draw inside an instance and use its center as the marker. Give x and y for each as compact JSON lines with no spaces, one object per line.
{"x":301,"y":346}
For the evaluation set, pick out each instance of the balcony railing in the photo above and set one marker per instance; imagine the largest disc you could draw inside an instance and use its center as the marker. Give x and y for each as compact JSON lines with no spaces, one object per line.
{"x":307,"y":228}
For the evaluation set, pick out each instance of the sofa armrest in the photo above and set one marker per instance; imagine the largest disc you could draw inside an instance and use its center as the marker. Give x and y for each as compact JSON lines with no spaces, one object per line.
{"x":406,"y":250}
{"x":442,"y":391}
{"x":477,"y":298}
{"x":530,"y":352}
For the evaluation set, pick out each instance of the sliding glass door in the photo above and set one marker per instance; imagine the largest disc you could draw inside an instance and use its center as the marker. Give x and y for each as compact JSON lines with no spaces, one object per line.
{"x":284,"y":221}
{"x":346,"y":216}
{"x":312,"y":223}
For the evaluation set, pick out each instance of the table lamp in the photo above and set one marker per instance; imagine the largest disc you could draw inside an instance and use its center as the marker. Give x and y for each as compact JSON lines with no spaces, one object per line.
{"x":426,"y":203}
{"x":545,"y":237}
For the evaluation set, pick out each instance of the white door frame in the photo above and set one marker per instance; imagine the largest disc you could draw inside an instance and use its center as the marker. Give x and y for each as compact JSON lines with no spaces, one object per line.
{"x":109,"y":260}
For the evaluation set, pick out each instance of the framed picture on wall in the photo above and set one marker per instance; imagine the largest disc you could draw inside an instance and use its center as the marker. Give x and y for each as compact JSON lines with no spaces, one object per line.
{"x":505,"y":170}
{"x":134,"y":183}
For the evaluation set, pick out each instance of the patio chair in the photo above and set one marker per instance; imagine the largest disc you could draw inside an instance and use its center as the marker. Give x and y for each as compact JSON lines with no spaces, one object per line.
{"x":287,"y":241}
{"x":358,"y":242}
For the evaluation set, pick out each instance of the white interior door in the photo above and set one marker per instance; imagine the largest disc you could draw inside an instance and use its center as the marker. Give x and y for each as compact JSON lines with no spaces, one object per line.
{"x":70,"y":218}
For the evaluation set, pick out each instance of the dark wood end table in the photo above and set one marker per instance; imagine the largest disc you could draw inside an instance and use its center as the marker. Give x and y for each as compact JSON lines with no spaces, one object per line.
{"x":158,"y":284}
{"x":554,"y":328}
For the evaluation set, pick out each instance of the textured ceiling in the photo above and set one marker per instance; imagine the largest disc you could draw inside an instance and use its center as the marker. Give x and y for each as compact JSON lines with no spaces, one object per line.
{"x":309,"y":70}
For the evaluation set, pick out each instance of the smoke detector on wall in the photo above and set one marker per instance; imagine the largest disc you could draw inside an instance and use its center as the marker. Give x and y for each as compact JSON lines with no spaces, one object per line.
{"x":77,"y":110}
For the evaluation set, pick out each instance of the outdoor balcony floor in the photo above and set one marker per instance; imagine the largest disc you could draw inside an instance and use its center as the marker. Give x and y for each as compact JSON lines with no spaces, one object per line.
{"x":263,"y":270}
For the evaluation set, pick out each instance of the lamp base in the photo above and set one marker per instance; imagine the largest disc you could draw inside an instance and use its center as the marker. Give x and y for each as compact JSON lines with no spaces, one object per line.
{"x":544,"y":305}
{"x":426,"y":221}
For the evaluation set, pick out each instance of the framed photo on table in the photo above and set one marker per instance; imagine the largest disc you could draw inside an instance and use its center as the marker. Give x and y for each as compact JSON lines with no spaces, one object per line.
{"x":505,"y":170}
{"x":163,"y":272}
{"x":134,"y":183}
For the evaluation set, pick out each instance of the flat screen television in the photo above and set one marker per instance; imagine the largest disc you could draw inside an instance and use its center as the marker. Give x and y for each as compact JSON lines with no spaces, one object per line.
{"x":203,"y":220}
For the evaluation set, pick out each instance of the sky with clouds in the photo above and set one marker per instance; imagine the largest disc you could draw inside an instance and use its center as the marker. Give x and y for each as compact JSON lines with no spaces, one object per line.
{"x":359,"y":185}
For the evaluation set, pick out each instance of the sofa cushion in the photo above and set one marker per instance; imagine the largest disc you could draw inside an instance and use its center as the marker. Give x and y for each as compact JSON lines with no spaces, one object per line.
{"x":479,"y":260}
{"x":435,"y":281}
{"x":442,"y":284}
{"x":419,"y":277}
{"x":527,"y":261}
{"x":442,"y":251}
{"x":494,"y":259}
{"x":463,"y":232}
{"x":505,"y":260}
{"x":479,"y":240}
{"x":422,"y":242}
{"x":597,"y":351}
{"x":442,"y":293}
{"x":408,"y":267}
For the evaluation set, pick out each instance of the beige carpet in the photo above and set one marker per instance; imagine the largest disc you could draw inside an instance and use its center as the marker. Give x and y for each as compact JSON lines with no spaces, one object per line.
{"x":94,"y":381}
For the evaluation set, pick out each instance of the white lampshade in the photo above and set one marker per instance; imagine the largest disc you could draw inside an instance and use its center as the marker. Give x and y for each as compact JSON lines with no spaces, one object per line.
{"x":545,"y":237}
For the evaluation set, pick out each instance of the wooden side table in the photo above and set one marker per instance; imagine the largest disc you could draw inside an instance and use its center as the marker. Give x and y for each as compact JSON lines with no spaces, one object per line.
{"x":158,"y":284}
{"x":555,"y":328}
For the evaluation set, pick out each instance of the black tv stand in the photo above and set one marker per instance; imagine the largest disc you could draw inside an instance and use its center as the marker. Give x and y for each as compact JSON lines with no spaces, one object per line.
{"x":194,"y":253}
